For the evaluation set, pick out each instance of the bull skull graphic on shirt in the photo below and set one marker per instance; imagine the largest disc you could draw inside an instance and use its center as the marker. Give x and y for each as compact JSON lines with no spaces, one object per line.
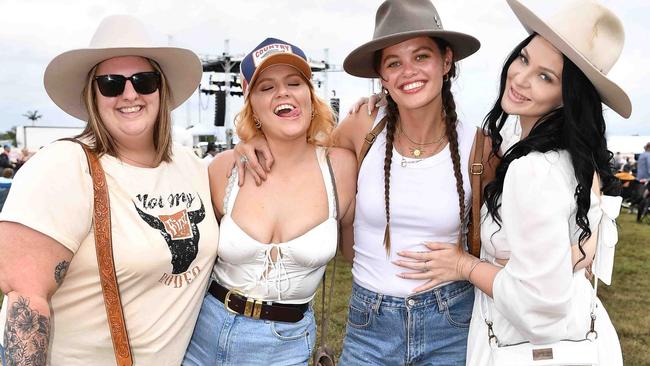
{"x":180,"y":232}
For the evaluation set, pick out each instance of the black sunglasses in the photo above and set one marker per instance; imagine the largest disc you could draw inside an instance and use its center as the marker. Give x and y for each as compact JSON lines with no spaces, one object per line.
{"x":143,"y":83}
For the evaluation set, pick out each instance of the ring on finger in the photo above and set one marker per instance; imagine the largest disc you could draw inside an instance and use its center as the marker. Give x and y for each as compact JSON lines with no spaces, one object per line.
{"x":243,"y":159}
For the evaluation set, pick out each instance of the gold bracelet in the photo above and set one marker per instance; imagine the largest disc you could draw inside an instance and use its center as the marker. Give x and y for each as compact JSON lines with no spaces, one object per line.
{"x":469,"y":275}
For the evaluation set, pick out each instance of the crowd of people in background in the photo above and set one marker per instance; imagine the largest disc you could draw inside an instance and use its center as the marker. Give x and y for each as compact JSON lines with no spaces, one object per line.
{"x":634,"y":174}
{"x":10,"y":161}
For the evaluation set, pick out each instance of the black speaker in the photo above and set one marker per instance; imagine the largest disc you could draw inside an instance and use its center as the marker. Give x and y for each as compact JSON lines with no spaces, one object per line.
{"x":220,"y":108}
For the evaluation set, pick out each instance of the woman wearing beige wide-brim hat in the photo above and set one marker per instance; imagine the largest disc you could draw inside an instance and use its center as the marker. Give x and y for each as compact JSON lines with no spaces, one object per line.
{"x":547,"y":217}
{"x":164,"y":232}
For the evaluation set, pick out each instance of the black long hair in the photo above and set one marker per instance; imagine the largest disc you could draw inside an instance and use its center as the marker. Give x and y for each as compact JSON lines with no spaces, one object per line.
{"x":577,"y":127}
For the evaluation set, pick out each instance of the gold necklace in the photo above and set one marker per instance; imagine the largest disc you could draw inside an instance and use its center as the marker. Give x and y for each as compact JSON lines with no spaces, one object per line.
{"x":146,"y":165}
{"x":418,"y":151}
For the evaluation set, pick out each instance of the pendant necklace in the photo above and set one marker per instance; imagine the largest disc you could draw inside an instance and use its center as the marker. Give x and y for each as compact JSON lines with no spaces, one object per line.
{"x":418,"y":151}
{"x":404,"y":163}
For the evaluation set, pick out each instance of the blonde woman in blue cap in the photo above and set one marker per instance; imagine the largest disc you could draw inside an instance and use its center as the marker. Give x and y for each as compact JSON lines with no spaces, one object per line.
{"x":276,"y":239}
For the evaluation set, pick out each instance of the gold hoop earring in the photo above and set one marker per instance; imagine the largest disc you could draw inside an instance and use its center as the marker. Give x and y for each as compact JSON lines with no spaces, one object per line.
{"x":258,"y":123}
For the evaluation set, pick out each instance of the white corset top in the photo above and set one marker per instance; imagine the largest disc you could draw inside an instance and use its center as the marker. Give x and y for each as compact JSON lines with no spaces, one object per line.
{"x":246,"y":265}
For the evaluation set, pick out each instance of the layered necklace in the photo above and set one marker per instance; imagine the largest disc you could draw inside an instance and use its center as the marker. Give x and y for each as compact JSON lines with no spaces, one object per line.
{"x":419,"y":149}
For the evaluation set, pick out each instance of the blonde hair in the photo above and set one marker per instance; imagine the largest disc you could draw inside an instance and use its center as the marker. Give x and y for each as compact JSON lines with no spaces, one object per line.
{"x":320,"y":129}
{"x":101,"y":140}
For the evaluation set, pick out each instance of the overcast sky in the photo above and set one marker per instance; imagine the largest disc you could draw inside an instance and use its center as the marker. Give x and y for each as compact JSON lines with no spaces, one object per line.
{"x":32,"y":32}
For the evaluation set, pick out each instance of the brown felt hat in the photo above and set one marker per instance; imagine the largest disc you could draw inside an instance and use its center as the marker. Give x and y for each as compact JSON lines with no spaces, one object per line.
{"x":399,"y":20}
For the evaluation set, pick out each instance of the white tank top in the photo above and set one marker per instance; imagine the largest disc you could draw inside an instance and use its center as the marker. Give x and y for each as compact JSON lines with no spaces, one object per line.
{"x":245,"y":264}
{"x":423,"y":207}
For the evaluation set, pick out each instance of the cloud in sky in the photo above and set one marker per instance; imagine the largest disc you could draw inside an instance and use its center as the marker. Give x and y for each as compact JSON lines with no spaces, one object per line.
{"x":32,"y":32}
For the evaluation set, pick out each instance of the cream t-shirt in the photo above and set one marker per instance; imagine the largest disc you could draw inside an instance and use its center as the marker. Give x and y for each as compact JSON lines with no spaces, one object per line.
{"x":165,"y":237}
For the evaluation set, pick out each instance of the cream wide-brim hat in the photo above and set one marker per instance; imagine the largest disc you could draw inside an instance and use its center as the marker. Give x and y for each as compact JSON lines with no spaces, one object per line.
{"x":589,"y":35}
{"x":119,"y":35}
{"x":399,"y":20}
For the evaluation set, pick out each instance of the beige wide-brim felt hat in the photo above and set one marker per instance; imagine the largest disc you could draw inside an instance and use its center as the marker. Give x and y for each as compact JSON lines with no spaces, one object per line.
{"x":399,"y":20}
{"x":588,"y":34}
{"x":119,"y":35}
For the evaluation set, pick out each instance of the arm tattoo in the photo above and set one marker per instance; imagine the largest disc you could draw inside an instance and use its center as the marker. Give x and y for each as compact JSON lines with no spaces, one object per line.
{"x":26,"y":335}
{"x":60,"y":271}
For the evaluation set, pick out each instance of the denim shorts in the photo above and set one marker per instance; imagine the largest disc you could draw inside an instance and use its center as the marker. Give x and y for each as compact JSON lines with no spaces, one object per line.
{"x":428,"y":328}
{"x":223,"y":338}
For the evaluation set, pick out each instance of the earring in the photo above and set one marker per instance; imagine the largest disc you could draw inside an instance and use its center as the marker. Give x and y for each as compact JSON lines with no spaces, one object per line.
{"x":258,"y":123}
{"x":385,"y":91}
{"x":445,"y":78}
{"x":313,"y":114}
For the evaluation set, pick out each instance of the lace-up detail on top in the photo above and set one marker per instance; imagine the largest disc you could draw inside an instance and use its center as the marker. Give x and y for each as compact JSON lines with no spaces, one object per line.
{"x":290,"y":271}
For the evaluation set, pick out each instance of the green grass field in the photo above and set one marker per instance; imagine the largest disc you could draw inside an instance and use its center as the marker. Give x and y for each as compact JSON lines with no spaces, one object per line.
{"x":626,"y":300}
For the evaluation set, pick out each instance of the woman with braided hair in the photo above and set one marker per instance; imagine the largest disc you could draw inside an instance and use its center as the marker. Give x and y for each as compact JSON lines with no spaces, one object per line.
{"x":418,"y":163}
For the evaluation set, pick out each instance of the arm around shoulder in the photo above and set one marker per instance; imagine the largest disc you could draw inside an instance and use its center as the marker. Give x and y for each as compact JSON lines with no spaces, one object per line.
{"x":344,"y":165}
{"x":219,"y":172}
{"x":352,"y":130}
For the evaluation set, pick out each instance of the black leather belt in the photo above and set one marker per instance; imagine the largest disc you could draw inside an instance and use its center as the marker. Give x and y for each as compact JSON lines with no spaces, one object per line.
{"x":237,"y":303}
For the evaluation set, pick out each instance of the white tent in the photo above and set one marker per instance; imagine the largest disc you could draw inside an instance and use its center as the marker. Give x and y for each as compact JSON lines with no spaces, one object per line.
{"x":627,"y":145}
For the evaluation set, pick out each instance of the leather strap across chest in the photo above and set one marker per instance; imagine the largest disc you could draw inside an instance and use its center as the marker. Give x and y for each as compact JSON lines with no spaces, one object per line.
{"x":105,"y":262}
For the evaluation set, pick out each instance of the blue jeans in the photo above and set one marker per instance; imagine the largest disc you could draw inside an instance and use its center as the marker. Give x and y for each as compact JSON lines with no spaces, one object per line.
{"x":429,"y":328}
{"x":223,"y":338}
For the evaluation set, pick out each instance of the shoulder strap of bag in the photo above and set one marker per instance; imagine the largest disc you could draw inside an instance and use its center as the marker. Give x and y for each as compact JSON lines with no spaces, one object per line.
{"x":325,"y":312}
{"x":476,"y":169}
{"x":369,"y":140}
{"x":482,"y":170}
{"x":104,"y":248}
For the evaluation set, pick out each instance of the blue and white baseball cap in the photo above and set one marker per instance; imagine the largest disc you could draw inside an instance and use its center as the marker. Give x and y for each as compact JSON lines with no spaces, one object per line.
{"x":272,"y":51}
